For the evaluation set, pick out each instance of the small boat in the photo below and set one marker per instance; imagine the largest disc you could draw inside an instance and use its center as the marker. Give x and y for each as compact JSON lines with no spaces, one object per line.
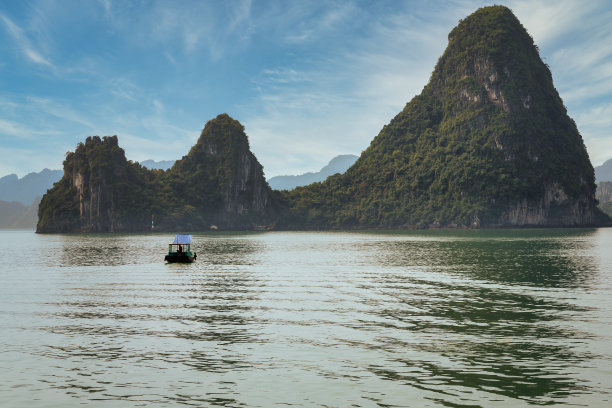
{"x":180,"y":250}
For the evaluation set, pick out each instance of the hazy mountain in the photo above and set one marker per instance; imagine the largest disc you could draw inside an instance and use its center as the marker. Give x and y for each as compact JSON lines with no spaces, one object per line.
{"x":604,"y":191}
{"x":18,"y":216}
{"x":338,"y":164}
{"x":488,"y":142}
{"x":29,"y":187}
{"x":604,"y":195}
{"x":161,"y":165}
{"x":604,"y":172}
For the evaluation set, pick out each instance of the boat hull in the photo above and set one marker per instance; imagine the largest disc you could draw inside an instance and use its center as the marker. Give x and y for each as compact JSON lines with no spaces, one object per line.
{"x":179,"y":258}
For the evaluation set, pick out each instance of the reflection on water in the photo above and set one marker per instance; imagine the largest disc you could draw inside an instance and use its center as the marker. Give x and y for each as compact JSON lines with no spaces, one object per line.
{"x":425,"y":318}
{"x":531,"y":257}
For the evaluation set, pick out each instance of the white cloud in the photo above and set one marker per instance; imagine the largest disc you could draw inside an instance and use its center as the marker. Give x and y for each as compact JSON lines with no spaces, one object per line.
{"x":35,"y":57}
{"x":159,"y":107}
{"x":549,"y":21}
{"x":595,"y":124}
{"x":10,"y":130}
{"x":218,"y":28}
{"x":23,"y":43}
{"x":123,"y":88}
{"x":337,"y":106}
{"x":336,"y":72}
{"x":59,"y":110}
{"x":107,"y":5}
{"x":22,"y":160}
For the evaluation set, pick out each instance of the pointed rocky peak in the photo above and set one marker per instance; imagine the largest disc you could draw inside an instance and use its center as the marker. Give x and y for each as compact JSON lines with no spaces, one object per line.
{"x":221,"y":134}
{"x":491,"y":59}
{"x":487,"y":142}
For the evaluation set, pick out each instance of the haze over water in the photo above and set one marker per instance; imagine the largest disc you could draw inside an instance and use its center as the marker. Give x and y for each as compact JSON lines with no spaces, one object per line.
{"x":418,"y":318}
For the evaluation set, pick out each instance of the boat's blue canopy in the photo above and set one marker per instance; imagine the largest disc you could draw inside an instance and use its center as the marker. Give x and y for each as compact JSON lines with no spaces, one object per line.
{"x":182,"y":240}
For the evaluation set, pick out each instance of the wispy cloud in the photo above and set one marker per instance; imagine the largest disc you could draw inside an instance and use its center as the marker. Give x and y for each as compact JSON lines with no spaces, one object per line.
{"x":107,"y":5}
{"x":340,"y":102}
{"x":547,"y":22}
{"x":309,"y":80}
{"x":59,"y":110}
{"x":595,"y":123}
{"x":122,"y":88}
{"x":10,"y":130}
{"x":21,"y":160}
{"x":23,"y":43}
{"x":218,"y":28}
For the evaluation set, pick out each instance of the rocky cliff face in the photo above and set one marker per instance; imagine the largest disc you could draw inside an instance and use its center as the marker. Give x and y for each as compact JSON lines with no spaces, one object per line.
{"x":244,"y":188}
{"x":228,"y":186}
{"x":555,"y":208}
{"x":492,"y":72}
{"x":220,"y":182}
{"x":99,"y":192}
{"x":488,"y":142}
{"x":95,"y":196}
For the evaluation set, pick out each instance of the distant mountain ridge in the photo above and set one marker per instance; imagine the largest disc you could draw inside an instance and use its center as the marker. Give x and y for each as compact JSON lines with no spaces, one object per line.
{"x":604,"y":192}
{"x":15,"y":215}
{"x":160,"y":165}
{"x":26,"y":189}
{"x":34,"y":185}
{"x":604,"y":196}
{"x":604,"y":172}
{"x":338,"y":164}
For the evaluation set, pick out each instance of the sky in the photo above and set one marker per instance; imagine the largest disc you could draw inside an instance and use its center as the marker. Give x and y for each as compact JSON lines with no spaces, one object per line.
{"x":308,"y":79}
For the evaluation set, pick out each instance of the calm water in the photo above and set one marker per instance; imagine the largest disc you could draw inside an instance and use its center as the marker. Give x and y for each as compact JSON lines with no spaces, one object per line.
{"x":432,"y":318}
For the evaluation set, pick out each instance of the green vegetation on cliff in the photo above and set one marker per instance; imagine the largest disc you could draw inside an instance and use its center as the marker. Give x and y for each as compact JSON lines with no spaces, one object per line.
{"x":488,"y":141}
{"x":100,"y":191}
{"x":220,"y":182}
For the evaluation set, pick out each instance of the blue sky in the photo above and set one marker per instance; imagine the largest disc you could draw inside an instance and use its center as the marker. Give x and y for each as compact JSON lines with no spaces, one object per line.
{"x":308,"y":79}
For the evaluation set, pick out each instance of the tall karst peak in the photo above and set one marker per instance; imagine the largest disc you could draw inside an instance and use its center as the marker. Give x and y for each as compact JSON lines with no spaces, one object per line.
{"x":487,"y":142}
{"x":224,"y":175}
{"x":491,"y":58}
{"x":222,"y":133}
{"x":220,"y":183}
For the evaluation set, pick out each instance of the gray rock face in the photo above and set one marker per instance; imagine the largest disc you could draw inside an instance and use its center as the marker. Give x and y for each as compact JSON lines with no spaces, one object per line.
{"x":247,"y":189}
{"x":488,"y":142}
{"x":97,"y":181}
{"x":227,"y":183}
{"x":219,"y":182}
{"x":100,"y":192}
{"x":555,"y":208}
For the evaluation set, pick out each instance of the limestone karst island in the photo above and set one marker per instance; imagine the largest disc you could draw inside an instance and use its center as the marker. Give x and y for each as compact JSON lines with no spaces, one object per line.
{"x":487,"y":143}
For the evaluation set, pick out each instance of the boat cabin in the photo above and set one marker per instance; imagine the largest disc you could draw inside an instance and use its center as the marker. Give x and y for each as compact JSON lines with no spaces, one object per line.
{"x":180,"y":249}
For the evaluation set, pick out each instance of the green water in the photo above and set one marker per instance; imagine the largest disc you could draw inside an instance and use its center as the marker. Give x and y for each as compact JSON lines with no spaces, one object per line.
{"x":401,"y":319}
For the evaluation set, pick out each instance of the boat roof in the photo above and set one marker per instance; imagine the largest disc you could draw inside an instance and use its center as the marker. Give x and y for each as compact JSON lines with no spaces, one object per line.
{"x":182,"y":239}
